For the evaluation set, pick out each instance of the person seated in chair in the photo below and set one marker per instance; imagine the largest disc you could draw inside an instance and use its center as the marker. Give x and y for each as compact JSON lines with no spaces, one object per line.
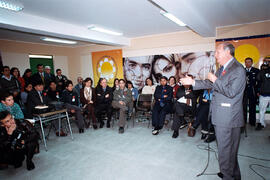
{"x":185,"y":104}
{"x":8,"y":104}
{"x":53,"y":93}
{"x":149,"y":87}
{"x":88,"y":98}
{"x":36,"y":97}
{"x":17,"y":140}
{"x":71,"y":102}
{"x":104,"y":97}
{"x":203,"y":117}
{"x":163,"y":103}
{"x":134,"y":91}
{"x":54,"y":97}
{"x":122,"y":99}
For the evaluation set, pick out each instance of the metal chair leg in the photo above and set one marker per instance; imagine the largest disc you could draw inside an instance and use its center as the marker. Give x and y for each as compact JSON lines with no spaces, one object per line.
{"x":43,"y":134}
{"x":70,"y":130}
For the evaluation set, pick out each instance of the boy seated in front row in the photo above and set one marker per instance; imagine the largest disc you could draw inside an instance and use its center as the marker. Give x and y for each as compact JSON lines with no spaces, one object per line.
{"x":7,"y":103}
{"x":71,"y":102}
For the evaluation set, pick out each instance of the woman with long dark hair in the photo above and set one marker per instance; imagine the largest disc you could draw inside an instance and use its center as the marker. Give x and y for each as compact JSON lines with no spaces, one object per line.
{"x":88,"y":98}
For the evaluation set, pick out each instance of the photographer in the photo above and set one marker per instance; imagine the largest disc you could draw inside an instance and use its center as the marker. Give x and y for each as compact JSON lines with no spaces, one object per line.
{"x":264,"y":91}
{"x":17,"y":140}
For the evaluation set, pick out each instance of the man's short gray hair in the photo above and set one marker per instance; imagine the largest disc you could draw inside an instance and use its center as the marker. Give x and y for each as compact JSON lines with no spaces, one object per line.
{"x":230,"y":47}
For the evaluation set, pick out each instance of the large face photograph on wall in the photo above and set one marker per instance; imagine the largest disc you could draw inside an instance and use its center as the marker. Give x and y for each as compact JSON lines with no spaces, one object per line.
{"x":197,"y":64}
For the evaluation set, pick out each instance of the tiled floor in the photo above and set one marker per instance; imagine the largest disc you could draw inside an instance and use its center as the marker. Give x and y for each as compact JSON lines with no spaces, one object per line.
{"x":104,"y":154}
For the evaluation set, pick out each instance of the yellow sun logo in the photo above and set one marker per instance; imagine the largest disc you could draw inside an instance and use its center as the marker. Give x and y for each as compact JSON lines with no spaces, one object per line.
{"x":247,"y":50}
{"x":107,"y":68}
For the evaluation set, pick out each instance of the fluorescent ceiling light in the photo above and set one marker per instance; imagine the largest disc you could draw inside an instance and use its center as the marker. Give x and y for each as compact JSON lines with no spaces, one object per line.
{"x":40,"y":56}
{"x":172,"y":18}
{"x":63,"y":41}
{"x":99,"y":29}
{"x":11,"y":5}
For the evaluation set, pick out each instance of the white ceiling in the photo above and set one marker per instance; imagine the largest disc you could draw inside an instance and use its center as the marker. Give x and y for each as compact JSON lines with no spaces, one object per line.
{"x":34,"y":38}
{"x":204,"y":16}
{"x":70,"y":18}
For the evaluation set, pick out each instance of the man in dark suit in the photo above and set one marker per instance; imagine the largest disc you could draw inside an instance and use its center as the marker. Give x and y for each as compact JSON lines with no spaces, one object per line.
{"x":163,"y":103}
{"x":36,"y":97}
{"x":39,"y":76}
{"x":251,"y":90}
{"x":48,"y":77}
{"x":60,"y":80}
{"x":104,"y":97}
{"x":185,"y":104}
{"x":228,"y":85}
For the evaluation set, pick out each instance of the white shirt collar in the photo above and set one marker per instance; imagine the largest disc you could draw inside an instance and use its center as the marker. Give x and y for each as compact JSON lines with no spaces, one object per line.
{"x":227,"y":63}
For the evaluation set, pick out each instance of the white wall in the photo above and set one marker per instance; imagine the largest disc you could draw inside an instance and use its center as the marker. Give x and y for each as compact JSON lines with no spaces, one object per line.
{"x":61,"y":62}
{"x":19,"y":60}
{"x":86,"y":66}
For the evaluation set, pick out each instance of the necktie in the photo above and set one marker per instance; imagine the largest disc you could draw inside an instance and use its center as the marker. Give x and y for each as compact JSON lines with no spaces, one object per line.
{"x":42,"y":77}
{"x":220,"y":70}
{"x":188,"y":102}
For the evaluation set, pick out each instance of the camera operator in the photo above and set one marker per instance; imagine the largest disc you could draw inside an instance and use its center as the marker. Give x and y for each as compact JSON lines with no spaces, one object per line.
{"x":17,"y":140}
{"x":264,"y":91}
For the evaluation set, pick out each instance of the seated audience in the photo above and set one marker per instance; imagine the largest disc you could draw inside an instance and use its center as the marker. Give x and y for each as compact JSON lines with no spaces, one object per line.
{"x":185,"y":105}
{"x":60,"y":80}
{"x":122,"y":99}
{"x":79,"y":86}
{"x":54,"y":97}
{"x":17,"y":140}
{"x":27,"y":76}
{"x":203,"y":117}
{"x":71,"y":102}
{"x":172,"y":83}
{"x":53,"y":93}
{"x":16,"y":73}
{"x":10,"y":84}
{"x":36,"y":97}
{"x":104,"y":97}
{"x":88,"y":98}
{"x":163,"y":104}
{"x":115,"y":84}
{"x":24,"y":94}
{"x":149,"y":87}
{"x":48,"y":77}
{"x":8,"y":104}
{"x":134,"y":91}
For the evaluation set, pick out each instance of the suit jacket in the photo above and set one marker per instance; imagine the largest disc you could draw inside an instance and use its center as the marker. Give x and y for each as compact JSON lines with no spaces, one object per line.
{"x":252,"y":83}
{"x":124,"y":95}
{"x":61,"y":82}
{"x":181,"y":92}
{"x":167,"y":91}
{"x":227,"y":101}
{"x":48,"y":78}
{"x":70,"y":97}
{"x":100,"y":96}
{"x":34,"y":100}
{"x":85,"y":101}
{"x":37,"y":78}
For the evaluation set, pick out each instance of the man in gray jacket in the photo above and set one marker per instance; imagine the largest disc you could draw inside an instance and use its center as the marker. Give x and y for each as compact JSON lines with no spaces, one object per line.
{"x":122,"y":100}
{"x":228,"y":85}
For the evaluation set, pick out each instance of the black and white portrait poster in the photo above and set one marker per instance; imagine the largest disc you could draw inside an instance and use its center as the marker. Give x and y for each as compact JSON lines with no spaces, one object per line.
{"x":197,"y":64}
